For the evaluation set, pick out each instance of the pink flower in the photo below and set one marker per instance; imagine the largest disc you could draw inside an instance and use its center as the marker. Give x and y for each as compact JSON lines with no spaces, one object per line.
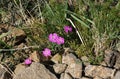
{"x":46,"y":52}
{"x":67,"y":29}
{"x":56,"y":39}
{"x":53,"y":37}
{"x":28,"y":61}
{"x":60,"y":40}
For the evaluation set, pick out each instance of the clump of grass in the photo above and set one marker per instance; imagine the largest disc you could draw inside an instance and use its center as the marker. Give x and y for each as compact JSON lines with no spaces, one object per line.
{"x":36,"y":34}
{"x":98,"y":25}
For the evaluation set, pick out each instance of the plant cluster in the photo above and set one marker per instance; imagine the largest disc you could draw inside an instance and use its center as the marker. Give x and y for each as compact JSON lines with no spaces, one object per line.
{"x":95,"y":24}
{"x":53,"y":38}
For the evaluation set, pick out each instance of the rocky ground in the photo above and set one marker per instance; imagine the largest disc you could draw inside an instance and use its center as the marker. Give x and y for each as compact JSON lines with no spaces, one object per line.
{"x":65,"y":66}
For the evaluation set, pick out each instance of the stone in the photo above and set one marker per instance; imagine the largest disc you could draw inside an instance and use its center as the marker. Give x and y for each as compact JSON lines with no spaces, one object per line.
{"x":35,"y":56}
{"x":85,"y":60}
{"x":69,"y":59}
{"x":57,"y":58}
{"x":67,"y":50}
{"x":13,"y":35}
{"x":117,"y":63}
{"x":117,"y":75}
{"x":18,"y":34}
{"x":75,"y":70}
{"x":74,"y":65}
{"x":103,"y":63}
{"x":4,"y":73}
{"x":19,"y":68}
{"x":35,"y":71}
{"x":118,"y":46}
{"x":110,"y":57}
{"x":97,"y":77}
{"x":65,"y":76}
{"x":103,"y":72}
{"x":85,"y":78}
{"x":59,"y":68}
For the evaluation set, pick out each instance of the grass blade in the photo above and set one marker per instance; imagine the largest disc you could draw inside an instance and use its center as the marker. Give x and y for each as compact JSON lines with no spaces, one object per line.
{"x":80,"y":21}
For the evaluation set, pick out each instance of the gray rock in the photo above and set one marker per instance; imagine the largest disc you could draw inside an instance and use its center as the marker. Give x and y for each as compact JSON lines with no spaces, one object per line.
{"x":103,"y":72}
{"x":110,"y":57}
{"x":57,"y":58}
{"x":117,"y":63}
{"x":67,"y":50}
{"x":74,"y":65}
{"x":65,"y":76}
{"x":4,"y":74}
{"x":69,"y":59}
{"x":75,"y":70}
{"x":85,"y":78}
{"x":19,"y":68}
{"x":118,"y":46}
{"x":117,"y":75}
{"x":59,"y":68}
{"x":103,"y":63}
{"x":97,"y":77}
{"x":35,"y":71}
{"x":17,"y":35}
{"x":35,"y":56}
{"x":85,"y":60}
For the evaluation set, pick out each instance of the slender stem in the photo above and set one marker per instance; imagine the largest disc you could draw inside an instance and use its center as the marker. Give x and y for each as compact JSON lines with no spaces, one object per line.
{"x":19,"y":48}
{"x":76,"y":30}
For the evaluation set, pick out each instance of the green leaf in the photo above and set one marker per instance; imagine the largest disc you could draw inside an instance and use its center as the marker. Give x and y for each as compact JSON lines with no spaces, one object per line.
{"x":80,"y":21}
{"x":49,"y":8}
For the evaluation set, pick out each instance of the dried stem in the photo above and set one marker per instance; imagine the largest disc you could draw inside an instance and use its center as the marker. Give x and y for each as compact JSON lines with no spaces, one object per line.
{"x":76,"y":30}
